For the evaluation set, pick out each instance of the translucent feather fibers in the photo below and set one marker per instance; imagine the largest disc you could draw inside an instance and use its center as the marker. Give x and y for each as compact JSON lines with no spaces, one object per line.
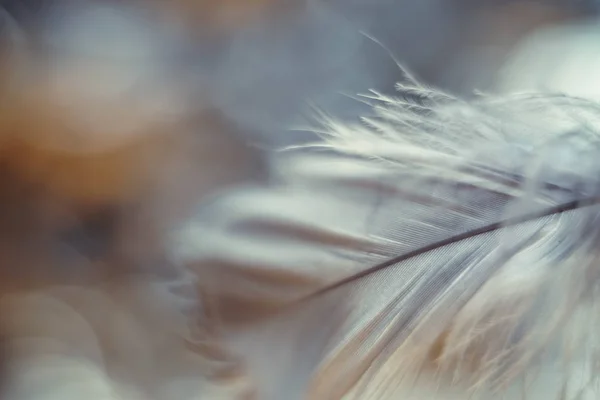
{"x":442,"y":249}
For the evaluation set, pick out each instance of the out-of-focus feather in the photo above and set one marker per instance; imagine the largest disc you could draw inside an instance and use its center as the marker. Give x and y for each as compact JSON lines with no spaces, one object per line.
{"x":445,"y":239}
{"x":105,"y":142}
{"x":126,"y":341}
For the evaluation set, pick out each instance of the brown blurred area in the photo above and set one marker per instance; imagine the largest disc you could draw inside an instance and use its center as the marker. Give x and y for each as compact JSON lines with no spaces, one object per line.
{"x":102,"y":146}
{"x":209,"y":16}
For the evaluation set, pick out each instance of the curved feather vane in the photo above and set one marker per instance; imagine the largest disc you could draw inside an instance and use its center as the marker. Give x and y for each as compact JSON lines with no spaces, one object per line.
{"x":441,"y":241}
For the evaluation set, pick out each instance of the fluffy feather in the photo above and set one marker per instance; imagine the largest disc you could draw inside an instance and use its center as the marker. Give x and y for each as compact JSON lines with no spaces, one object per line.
{"x":446,"y":241}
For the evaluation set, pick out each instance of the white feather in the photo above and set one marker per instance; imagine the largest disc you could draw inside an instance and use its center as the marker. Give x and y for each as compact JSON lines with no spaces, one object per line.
{"x":467,"y":230}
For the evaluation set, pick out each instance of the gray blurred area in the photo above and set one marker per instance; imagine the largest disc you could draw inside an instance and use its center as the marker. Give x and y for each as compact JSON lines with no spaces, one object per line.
{"x":320,"y":56}
{"x":268,"y":77}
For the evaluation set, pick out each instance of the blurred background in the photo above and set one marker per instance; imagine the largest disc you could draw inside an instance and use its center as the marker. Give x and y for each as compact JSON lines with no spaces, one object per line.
{"x":265,"y":64}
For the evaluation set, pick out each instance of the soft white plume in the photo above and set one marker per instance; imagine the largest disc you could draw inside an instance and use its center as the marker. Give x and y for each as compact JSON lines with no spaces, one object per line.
{"x":443,"y":241}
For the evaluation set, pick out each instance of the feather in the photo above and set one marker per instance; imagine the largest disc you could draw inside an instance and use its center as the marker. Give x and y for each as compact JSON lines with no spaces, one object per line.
{"x":443,"y":241}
